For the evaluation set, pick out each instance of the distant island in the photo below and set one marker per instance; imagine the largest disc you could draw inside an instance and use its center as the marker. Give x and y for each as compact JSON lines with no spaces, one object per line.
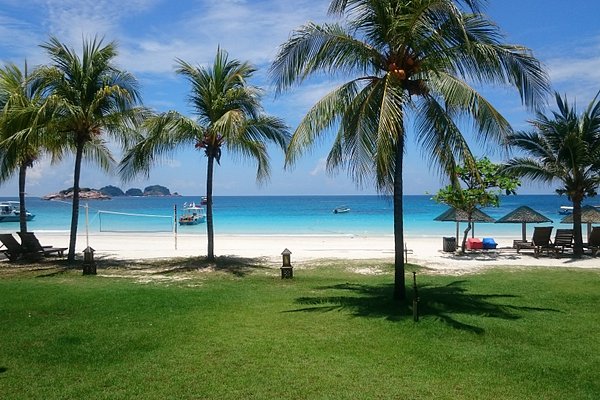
{"x":108,"y":192}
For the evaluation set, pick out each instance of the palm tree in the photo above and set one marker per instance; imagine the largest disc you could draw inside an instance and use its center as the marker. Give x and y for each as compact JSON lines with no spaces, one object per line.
{"x":563,"y":147}
{"x":228,"y":115}
{"x":91,"y":98}
{"x":407,"y":59}
{"x":21,"y":133}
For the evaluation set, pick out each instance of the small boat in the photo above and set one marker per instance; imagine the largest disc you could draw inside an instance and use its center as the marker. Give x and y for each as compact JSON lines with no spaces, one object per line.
{"x":203,"y":201}
{"x":341,"y":210}
{"x":9,"y":212}
{"x":565,"y":210}
{"x":192,"y":214}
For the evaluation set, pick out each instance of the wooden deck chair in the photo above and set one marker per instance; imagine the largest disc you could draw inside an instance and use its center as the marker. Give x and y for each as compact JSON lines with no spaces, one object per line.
{"x":562,"y":240}
{"x":539,"y":242}
{"x":31,"y":244}
{"x":594,"y":241}
{"x":12,"y":249}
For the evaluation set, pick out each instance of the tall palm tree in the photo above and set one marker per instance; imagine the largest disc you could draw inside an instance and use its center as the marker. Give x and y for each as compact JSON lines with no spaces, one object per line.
{"x":91,"y":99}
{"x":21,"y":128}
{"x":563,"y":147}
{"x":228,"y":115}
{"x":406,"y":59}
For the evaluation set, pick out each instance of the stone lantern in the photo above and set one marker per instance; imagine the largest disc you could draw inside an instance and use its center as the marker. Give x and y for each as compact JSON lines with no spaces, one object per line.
{"x":287,"y":271}
{"x":89,"y":265}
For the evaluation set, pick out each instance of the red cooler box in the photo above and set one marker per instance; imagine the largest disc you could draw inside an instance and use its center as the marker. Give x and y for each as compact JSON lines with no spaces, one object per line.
{"x":474,"y":244}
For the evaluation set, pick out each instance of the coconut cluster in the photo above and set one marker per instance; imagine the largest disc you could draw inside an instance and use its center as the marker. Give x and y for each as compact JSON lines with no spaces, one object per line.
{"x":403,"y":70}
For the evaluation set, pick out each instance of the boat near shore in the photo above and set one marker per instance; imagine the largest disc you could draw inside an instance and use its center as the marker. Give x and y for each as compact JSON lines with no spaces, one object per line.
{"x":9,"y":212}
{"x":341,"y":210}
{"x":566,"y":210}
{"x":192,"y":214}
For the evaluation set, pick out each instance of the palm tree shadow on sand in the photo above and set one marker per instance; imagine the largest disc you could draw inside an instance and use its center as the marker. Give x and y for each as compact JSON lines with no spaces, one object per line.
{"x":446,"y":303}
{"x":237,"y":266}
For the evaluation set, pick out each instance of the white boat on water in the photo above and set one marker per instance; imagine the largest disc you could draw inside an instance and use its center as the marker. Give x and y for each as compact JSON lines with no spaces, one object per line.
{"x":565,"y":210}
{"x":192,"y":214}
{"x":341,"y":210}
{"x":9,"y":212}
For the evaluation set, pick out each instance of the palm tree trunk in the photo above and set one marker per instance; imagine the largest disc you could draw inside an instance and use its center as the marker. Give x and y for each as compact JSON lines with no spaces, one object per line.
{"x":577,"y":236}
{"x":210,"y":233}
{"x":22,"y":208}
{"x":75,"y":211}
{"x":463,"y":245}
{"x":399,"y":279}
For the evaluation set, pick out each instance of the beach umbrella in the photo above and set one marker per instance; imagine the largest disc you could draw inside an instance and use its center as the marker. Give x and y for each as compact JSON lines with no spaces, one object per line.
{"x":452,"y":214}
{"x":589,"y":215}
{"x":524,"y":215}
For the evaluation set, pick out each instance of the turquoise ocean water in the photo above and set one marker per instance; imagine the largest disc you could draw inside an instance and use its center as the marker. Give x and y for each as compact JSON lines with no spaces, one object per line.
{"x":278,"y":215}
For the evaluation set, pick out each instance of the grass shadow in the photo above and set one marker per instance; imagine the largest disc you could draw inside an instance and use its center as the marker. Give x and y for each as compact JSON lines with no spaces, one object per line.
{"x":49,"y":267}
{"x":237,"y":266}
{"x":446,"y":303}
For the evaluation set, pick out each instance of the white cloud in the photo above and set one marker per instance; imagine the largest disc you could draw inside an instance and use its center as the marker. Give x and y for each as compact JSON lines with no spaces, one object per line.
{"x":320,"y":168}
{"x":173,"y":163}
{"x":576,"y":71}
{"x":247,"y":30}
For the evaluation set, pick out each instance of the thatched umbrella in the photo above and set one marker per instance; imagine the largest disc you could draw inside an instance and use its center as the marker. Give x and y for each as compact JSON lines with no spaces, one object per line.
{"x":589,"y":215}
{"x":524,"y":215}
{"x":452,"y":214}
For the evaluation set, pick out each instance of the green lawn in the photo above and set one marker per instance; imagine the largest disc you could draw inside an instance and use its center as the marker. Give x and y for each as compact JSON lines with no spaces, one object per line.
{"x":240,"y":332}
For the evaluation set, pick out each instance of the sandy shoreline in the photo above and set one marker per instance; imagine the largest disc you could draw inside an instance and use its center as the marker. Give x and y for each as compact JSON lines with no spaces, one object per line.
{"x":424,"y":251}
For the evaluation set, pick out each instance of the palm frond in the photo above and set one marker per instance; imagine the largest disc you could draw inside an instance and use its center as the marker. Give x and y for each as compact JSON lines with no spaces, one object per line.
{"x":163,"y":133}
{"x":529,"y":168}
{"x":321,"y":117}
{"x":466,"y":103}
{"x":314,"y":48}
{"x":440,"y":138}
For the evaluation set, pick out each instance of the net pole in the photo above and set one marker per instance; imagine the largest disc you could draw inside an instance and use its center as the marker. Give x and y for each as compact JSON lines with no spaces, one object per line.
{"x":87,"y":224}
{"x":175,"y":224}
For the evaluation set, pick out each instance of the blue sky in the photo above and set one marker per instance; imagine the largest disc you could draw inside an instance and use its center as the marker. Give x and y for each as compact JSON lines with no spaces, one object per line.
{"x":152,"y":33}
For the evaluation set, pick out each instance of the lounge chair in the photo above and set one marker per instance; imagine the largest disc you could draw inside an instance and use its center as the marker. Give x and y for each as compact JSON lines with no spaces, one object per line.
{"x":31,"y":244}
{"x":594,"y":241}
{"x":12,"y":249}
{"x":562,"y":240}
{"x":539,"y":242}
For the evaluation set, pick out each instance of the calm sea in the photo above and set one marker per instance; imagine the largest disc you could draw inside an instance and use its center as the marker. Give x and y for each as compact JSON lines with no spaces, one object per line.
{"x":266,"y":215}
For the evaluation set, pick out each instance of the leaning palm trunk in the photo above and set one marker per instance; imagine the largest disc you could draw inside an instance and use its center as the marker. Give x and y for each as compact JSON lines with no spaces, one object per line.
{"x":463,"y":245}
{"x":210,"y":233}
{"x":22,"y":208}
{"x":75,"y":212}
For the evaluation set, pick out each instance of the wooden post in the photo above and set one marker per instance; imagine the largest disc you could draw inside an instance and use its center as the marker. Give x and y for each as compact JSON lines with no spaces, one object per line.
{"x":415,"y":299}
{"x":175,"y":224}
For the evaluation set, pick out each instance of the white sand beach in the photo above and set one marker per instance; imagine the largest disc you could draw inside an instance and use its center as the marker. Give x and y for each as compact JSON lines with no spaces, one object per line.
{"x":425,"y":251}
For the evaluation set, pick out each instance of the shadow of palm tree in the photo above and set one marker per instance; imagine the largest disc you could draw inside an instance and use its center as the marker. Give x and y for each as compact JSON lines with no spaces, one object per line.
{"x":446,"y":303}
{"x":237,"y":266}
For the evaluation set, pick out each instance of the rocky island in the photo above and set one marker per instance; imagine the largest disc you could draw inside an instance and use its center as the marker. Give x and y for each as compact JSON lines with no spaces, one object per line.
{"x":108,"y":192}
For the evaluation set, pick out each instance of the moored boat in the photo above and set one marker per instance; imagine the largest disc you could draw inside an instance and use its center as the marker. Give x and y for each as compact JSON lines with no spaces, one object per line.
{"x":565,"y":210}
{"x":192,"y":214}
{"x":9,"y":212}
{"x":341,"y":210}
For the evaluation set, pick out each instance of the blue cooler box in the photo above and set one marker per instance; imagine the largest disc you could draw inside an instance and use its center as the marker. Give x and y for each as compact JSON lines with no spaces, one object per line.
{"x":489,"y":243}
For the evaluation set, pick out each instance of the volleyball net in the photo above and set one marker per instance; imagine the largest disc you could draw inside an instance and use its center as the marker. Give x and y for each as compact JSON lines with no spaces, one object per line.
{"x":113,"y":221}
